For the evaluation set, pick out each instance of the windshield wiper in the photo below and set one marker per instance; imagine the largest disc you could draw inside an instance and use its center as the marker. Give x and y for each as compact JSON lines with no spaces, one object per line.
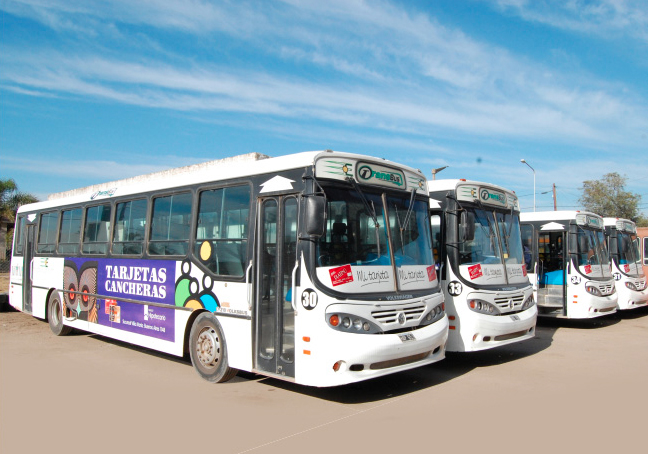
{"x":403,"y":225}
{"x":371,"y":210}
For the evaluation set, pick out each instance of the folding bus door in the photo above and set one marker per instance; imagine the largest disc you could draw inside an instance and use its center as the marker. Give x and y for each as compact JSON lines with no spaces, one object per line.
{"x":551,"y":270}
{"x":28,"y":267}
{"x":275,"y":259}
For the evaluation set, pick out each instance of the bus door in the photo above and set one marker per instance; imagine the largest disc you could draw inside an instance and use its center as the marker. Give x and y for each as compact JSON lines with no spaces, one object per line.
{"x":28,"y":267}
{"x":551,"y":270}
{"x":276,"y":263}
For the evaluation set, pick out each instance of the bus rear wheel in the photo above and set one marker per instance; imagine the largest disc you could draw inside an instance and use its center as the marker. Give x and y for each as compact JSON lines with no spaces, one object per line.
{"x":55,"y":315}
{"x":208,"y":349}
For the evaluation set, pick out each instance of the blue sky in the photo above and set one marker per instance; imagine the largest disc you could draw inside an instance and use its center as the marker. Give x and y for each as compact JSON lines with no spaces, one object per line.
{"x":93,"y":91}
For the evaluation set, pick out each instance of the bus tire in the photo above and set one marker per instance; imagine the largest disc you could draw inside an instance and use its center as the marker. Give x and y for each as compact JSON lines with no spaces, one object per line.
{"x":55,"y":315}
{"x":208,"y":349}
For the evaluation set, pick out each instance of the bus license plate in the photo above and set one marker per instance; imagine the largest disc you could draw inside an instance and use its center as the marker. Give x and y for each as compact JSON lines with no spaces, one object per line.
{"x":407,"y":337}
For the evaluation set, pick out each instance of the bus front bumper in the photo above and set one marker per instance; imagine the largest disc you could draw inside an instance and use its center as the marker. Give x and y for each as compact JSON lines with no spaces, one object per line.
{"x":482,"y":331}
{"x":351,"y":357}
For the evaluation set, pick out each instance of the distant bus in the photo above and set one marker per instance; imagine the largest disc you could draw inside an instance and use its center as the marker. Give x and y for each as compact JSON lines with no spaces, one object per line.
{"x":569,"y":264}
{"x":642,"y":237}
{"x":478,"y":249}
{"x":314,"y":268}
{"x":625,"y":255}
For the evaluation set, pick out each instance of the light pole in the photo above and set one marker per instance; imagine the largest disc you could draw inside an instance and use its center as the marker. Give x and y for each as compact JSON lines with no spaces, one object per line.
{"x":435,"y":171}
{"x":534,"y":191}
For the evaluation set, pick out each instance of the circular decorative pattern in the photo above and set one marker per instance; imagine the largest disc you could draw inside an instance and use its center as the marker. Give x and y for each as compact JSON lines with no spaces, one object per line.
{"x":71,"y":284}
{"x":205,"y":251}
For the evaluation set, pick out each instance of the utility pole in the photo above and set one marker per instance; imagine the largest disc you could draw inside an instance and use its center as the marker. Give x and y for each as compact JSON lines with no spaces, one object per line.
{"x":554,"y":197}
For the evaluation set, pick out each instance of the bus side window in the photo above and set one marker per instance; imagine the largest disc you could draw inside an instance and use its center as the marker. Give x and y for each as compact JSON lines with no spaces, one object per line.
{"x":130,"y":226}
{"x":170,"y":225}
{"x":221,"y":231}
{"x":97,"y":228}
{"x":47,"y":232}
{"x":527,"y":245}
{"x":645,"y":250}
{"x":436,"y":237}
{"x":70,"y":233}
{"x":18,"y":236}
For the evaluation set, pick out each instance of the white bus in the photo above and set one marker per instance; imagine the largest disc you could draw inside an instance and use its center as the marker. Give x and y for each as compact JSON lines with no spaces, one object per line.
{"x":314,"y":268}
{"x":569,"y":264}
{"x":625,"y":255}
{"x":478,"y":250}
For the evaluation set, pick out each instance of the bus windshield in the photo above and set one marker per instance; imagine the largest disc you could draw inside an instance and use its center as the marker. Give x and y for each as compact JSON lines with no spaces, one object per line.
{"x":629,"y":254}
{"x":495,"y":247}
{"x":375,"y":242}
{"x":592,"y":257}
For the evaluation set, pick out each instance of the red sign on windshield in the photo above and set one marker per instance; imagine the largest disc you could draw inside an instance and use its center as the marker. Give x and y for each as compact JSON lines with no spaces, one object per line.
{"x":341,"y":275}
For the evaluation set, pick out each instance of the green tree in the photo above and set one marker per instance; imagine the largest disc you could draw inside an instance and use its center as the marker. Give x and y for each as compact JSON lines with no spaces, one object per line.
{"x":10,"y":201}
{"x":607,"y":197}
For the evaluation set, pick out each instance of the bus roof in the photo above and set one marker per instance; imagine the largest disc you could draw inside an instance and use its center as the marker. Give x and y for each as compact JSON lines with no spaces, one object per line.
{"x":216,"y":170}
{"x":564,"y":215}
{"x":624,"y":225}
{"x":451,"y":184}
{"x":475,"y":191}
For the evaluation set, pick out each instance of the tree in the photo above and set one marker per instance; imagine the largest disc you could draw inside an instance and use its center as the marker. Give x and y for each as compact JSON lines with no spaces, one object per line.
{"x":10,"y":201}
{"x":607,"y":197}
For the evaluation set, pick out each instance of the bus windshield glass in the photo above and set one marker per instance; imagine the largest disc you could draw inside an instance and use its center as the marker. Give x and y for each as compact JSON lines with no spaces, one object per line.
{"x":494,"y":256}
{"x":629,"y":254}
{"x":592,"y":257}
{"x":375,"y":242}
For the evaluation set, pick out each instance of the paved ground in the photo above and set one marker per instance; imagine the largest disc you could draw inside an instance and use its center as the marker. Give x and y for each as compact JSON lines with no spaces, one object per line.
{"x":577,"y":387}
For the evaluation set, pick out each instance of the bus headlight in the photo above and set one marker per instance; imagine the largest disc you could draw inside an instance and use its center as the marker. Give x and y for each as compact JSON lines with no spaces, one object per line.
{"x":349,"y":323}
{"x":483,"y":307}
{"x":528,"y":303}
{"x":436,"y":313}
{"x":593,"y":290}
{"x":631,"y":286}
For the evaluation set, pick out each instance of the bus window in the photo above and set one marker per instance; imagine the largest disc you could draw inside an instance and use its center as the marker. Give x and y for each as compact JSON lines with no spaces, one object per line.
{"x":436,"y":237}
{"x":18,"y":236}
{"x":70,"y":233}
{"x":645,"y":250}
{"x":47,"y":233}
{"x":97,"y":228}
{"x":170,"y":225}
{"x":130,"y":225}
{"x":527,"y":245}
{"x":221,"y":232}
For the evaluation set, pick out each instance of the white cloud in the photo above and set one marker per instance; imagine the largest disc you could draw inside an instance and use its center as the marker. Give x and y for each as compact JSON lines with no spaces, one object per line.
{"x":350,"y":63}
{"x":595,"y":17}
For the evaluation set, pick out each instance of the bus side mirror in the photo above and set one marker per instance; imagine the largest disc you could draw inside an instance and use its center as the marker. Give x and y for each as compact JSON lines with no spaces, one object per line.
{"x":315,"y":218}
{"x":467,"y":228}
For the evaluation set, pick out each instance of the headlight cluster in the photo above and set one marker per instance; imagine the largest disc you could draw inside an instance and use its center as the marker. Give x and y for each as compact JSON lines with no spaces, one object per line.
{"x":435,"y":314}
{"x":593,"y":290}
{"x":483,"y":307}
{"x":631,"y":286}
{"x":528,"y":303}
{"x":352,"y":324}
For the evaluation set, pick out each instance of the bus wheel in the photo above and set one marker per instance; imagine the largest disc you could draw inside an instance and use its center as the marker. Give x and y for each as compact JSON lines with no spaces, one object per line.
{"x":208,"y":349}
{"x":55,"y":315}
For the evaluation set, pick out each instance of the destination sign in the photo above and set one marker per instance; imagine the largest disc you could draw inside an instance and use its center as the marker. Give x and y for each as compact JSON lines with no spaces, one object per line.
{"x":487,"y":196}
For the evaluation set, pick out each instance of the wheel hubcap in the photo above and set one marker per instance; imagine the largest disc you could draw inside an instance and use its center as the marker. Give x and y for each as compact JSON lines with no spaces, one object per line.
{"x":208,"y":347}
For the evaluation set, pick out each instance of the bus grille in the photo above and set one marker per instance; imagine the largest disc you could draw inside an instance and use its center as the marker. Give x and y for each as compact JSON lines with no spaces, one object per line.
{"x":606,"y":289}
{"x":509,"y":303}
{"x":412,"y":312}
